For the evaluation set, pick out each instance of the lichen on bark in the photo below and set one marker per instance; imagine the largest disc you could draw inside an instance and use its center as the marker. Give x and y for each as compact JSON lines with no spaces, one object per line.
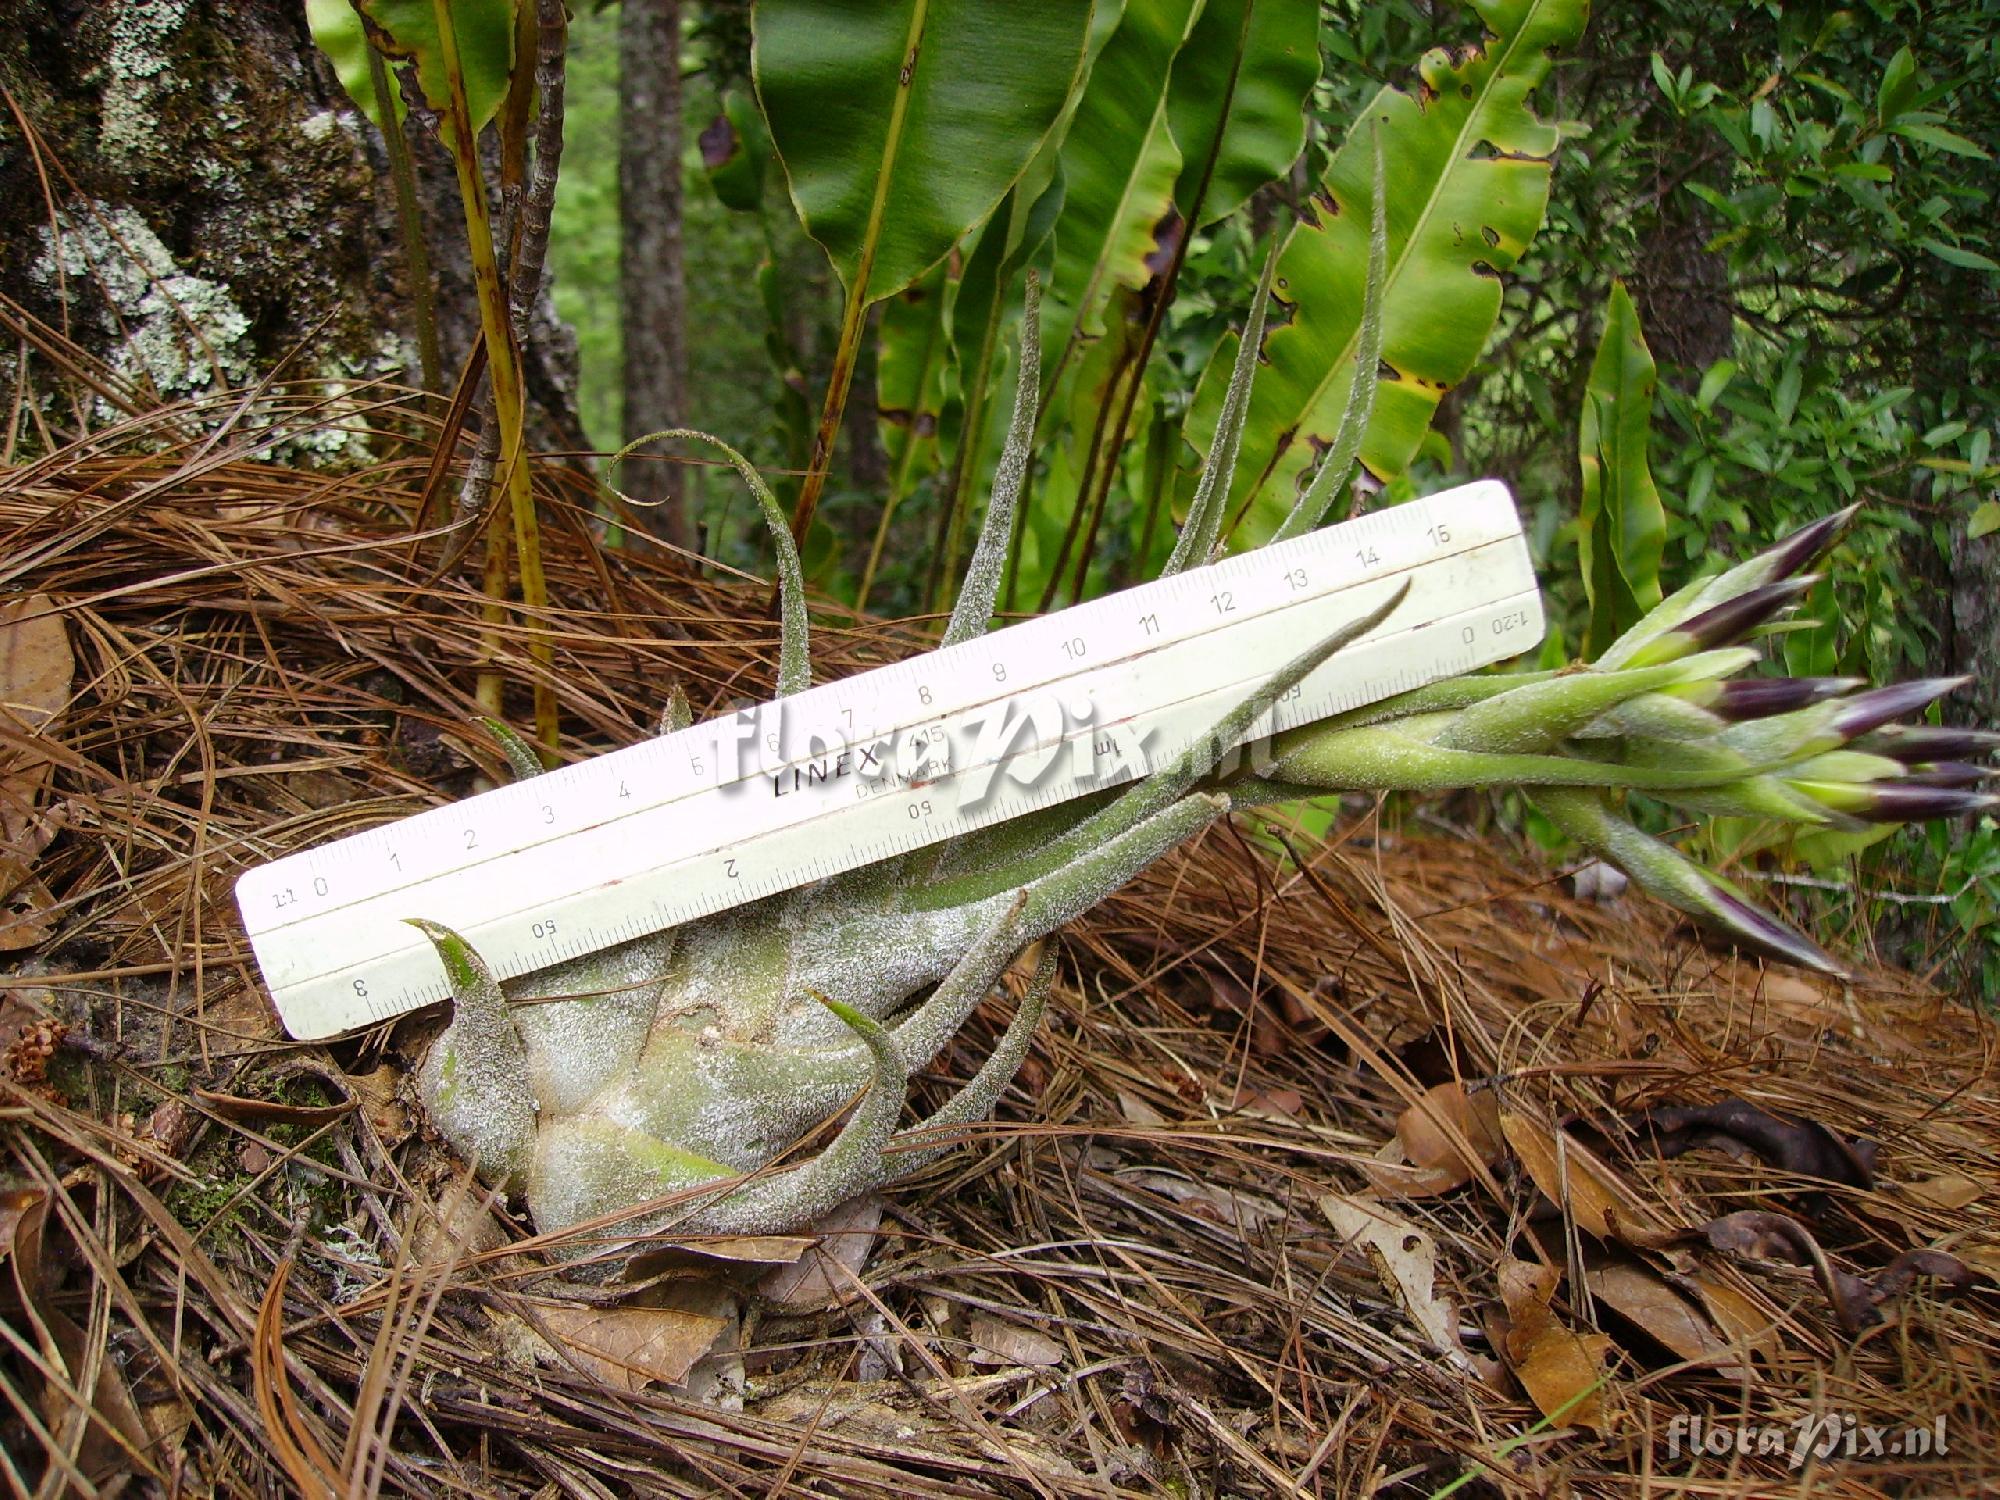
{"x":212,"y":184}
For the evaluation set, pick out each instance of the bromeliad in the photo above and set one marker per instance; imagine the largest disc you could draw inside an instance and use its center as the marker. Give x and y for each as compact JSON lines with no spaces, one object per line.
{"x":701,"y":1058}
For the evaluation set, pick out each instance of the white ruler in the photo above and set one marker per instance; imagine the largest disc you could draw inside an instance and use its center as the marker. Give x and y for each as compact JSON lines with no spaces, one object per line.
{"x":840,"y":776}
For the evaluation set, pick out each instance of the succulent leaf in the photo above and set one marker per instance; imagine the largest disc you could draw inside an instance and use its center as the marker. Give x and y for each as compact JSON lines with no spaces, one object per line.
{"x":1203,"y":527}
{"x":981,"y":589}
{"x":1330,"y":480}
{"x":794,"y":652}
{"x":475,"y":1077}
{"x":972,"y":1103}
{"x":523,"y":760}
{"x":1672,"y":877}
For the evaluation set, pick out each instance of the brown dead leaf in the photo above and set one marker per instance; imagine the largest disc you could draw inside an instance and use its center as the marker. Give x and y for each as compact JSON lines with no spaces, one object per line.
{"x":1390,"y":1171}
{"x":1137,"y":1111}
{"x":455,"y":1228}
{"x":1642,"y":1297}
{"x":749,"y":1249}
{"x":996,"y":1341}
{"x":1735,"y":1313}
{"x":274,"y":1111}
{"x":629,"y":1348}
{"x":36,"y":667}
{"x":1950,"y":1191}
{"x":1452,"y":1131}
{"x":36,"y":671}
{"x":27,"y":909}
{"x":23,"y":1212}
{"x":1215,"y":1202}
{"x":254,"y":1157}
{"x":1405,"y":1260}
{"x":1270,"y":1103}
{"x":1797,"y":995}
{"x":114,"y":1430}
{"x":1805,"y":1148}
{"x":1561,"y":1370}
{"x":827,"y":1274}
{"x":1572,"y":1178}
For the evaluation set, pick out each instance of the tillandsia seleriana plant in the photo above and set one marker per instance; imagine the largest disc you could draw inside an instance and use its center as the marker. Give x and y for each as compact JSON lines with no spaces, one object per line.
{"x":697,"y":1056}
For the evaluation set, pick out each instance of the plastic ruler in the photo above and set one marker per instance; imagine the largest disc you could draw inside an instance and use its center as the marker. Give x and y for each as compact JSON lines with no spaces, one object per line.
{"x":786,"y":793}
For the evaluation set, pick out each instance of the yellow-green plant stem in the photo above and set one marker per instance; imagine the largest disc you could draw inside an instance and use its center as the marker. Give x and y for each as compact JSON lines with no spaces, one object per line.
{"x":416,"y":255}
{"x":509,"y":409}
{"x":854,"y":317}
{"x":899,"y":485}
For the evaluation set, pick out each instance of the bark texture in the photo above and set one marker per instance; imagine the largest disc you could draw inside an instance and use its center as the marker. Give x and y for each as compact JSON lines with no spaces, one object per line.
{"x":195,"y":199}
{"x":652,"y":278}
{"x":1975,"y":627}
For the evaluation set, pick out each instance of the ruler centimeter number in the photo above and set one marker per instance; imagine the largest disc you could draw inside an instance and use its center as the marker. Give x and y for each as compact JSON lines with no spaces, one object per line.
{"x":786,"y":793}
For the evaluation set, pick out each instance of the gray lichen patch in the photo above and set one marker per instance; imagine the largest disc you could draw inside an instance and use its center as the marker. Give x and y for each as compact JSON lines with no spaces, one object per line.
{"x":138,"y":73}
{"x":218,"y":211}
{"x":161,"y":328}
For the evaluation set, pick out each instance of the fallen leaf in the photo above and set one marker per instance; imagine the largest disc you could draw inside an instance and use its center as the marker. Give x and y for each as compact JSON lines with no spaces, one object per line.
{"x":1735,"y":1312}
{"x":23,"y":1212}
{"x":1643,"y":1298}
{"x":628,"y":1348}
{"x":1270,"y":1103}
{"x":1137,"y":1111}
{"x":36,"y":671}
{"x":827,"y":1273}
{"x":1561,"y":1370}
{"x":1452,"y":1131}
{"x":27,"y":909}
{"x":1391,"y":1171}
{"x":1405,"y":1260}
{"x":254,"y":1158}
{"x":998,"y":1342}
{"x":1229,"y":996}
{"x":1793,"y":993}
{"x":749,"y":1249}
{"x":1573,"y":1179}
{"x":1246,"y":1212}
{"x":274,"y":1111}
{"x":1949,"y":1191}
{"x":453,"y":1229}
{"x":112,"y":1415}
{"x":1805,"y":1148}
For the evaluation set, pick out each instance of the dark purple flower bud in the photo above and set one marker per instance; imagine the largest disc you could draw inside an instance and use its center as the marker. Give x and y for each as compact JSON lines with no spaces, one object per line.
{"x":1948,"y":774}
{"x":1723,"y":623}
{"x":1899,"y":802}
{"x":1729,"y":620}
{"x":1800,"y":548}
{"x":1872,"y":710}
{"x":1917,"y":744}
{"x":1750,"y":928}
{"x":1761,"y":697}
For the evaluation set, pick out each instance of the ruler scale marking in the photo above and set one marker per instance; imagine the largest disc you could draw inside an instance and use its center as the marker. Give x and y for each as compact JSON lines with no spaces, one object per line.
{"x":1477,"y":514}
{"x":690,"y":836}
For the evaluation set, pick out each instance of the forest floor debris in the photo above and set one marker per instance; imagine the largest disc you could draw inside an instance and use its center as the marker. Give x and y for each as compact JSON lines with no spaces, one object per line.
{"x":1397,"y":1170}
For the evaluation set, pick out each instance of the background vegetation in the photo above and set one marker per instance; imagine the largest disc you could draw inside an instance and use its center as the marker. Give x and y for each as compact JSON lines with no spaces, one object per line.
{"x":1799,"y":200}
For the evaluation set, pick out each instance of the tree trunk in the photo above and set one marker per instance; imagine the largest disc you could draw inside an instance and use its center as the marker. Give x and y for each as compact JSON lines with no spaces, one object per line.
{"x":652,"y":281}
{"x":215,"y":204}
{"x":1975,"y":628}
